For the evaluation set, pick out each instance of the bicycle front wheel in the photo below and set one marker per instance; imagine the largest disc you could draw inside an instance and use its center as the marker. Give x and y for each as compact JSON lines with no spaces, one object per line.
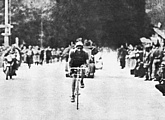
{"x":77,"y":93}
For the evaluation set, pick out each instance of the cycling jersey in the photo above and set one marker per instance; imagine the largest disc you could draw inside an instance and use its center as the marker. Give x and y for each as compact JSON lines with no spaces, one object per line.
{"x":77,"y":58}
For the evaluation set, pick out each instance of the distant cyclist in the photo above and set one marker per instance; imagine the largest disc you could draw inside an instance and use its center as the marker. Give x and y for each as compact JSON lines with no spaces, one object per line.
{"x":77,"y":57}
{"x":15,"y":52}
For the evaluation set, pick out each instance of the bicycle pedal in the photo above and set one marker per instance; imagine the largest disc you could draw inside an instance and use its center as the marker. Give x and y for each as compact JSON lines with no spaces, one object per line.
{"x":78,"y":94}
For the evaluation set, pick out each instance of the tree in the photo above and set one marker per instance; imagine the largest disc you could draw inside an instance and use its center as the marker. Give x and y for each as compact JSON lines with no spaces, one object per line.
{"x":107,"y":23}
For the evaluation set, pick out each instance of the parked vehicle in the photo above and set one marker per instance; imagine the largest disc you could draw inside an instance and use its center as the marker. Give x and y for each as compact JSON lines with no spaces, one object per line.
{"x":91,"y":67}
{"x":98,"y":61}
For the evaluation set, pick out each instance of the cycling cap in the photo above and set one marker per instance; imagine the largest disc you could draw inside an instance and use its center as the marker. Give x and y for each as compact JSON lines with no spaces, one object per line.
{"x":79,"y":44}
{"x":79,"y":39}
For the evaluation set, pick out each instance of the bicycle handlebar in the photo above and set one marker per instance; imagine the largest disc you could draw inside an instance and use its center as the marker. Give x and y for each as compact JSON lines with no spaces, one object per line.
{"x":78,"y":68}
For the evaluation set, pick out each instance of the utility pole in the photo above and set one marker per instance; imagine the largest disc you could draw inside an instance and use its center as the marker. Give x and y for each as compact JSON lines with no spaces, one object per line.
{"x":6,"y":38}
{"x":7,"y":26}
{"x":42,"y":32}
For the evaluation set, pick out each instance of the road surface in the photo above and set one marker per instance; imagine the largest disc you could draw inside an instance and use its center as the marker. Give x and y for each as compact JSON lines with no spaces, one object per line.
{"x":43,"y":93}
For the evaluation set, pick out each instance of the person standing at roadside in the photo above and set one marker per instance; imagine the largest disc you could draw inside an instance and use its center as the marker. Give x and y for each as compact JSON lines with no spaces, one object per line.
{"x":156,"y":59}
{"x":36,"y":56}
{"x":122,"y":52}
{"x":29,"y":58}
{"x":42,"y":51}
{"x":24,"y":56}
{"x":48,"y":55}
{"x":161,"y":85}
{"x":147,"y":63}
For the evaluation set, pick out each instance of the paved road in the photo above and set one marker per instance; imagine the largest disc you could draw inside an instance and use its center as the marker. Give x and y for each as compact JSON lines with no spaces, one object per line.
{"x":43,"y":93}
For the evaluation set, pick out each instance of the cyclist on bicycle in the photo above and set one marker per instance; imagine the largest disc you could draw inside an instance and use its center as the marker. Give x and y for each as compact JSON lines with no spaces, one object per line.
{"x":11,"y":51}
{"x":77,"y":58}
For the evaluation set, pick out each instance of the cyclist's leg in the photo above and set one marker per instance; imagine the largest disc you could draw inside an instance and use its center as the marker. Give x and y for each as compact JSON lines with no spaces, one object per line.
{"x":73,"y":85}
{"x":73,"y":89}
{"x":82,"y":79}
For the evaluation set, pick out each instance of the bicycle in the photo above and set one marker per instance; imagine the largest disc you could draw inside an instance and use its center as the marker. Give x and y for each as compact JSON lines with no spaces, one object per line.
{"x":78,"y":72}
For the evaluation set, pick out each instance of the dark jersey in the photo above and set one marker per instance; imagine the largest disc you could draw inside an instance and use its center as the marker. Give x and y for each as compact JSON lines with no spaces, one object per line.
{"x":77,"y":58}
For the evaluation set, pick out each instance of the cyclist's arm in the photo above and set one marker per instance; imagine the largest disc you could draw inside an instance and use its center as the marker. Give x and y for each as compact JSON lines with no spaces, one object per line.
{"x":69,"y":62}
{"x":70,"y":57}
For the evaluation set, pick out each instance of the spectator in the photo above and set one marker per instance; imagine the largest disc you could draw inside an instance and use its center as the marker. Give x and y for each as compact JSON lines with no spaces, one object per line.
{"x":122,"y":52}
{"x":156,"y":57}
{"x":30,"y":54}
{"x":24,"y":56}
{"x":147,"y":62}
{"x":36,"y":56}
{"x":48,"y":55}
{"x":42,"y":56}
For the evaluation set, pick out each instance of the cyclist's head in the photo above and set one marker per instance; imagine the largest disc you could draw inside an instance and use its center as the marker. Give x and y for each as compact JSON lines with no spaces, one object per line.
{"x":79,"y":45}
{"x":79,"y":40}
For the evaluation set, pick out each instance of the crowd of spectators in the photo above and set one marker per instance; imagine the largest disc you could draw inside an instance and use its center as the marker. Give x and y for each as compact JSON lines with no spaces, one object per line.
{"x":147,"y":61}
{"x":42,"y":55}
{"x":39,"y":55}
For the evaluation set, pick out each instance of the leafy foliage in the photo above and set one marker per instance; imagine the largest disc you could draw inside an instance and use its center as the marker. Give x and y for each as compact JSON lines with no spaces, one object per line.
{"x":106,"y":22}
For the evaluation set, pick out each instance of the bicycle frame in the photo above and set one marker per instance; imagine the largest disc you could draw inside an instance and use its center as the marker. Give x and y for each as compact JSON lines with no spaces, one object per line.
{"x":78,"y":74}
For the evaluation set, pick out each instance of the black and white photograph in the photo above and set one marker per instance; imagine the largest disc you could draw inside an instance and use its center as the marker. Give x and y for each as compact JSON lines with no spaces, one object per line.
{"x":82,"y":59}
